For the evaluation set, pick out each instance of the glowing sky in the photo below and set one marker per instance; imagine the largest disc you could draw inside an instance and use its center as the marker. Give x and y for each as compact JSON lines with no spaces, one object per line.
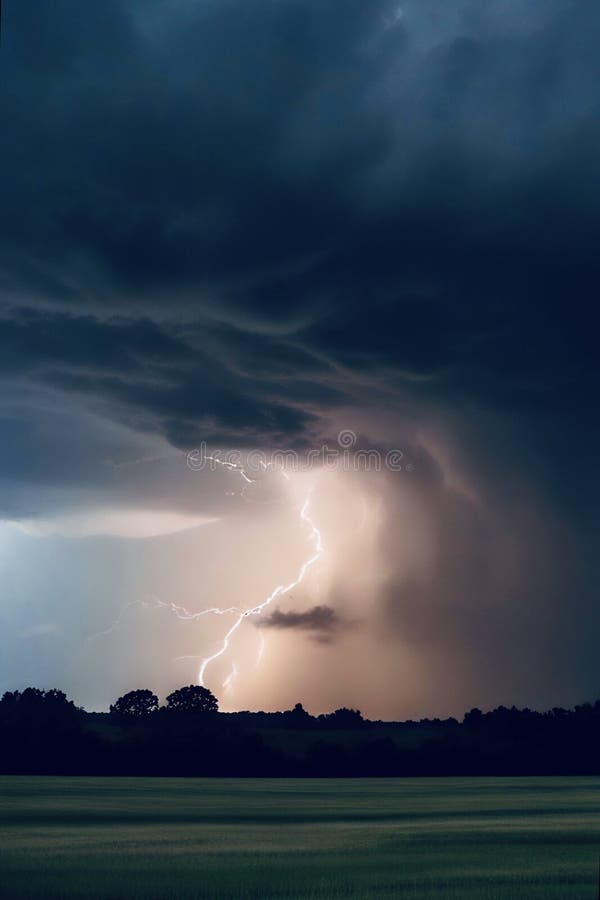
{"x":256,"y":224}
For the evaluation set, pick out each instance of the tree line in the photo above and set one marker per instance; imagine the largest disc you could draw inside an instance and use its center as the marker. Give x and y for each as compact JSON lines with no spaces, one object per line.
{"x":43,"y":732}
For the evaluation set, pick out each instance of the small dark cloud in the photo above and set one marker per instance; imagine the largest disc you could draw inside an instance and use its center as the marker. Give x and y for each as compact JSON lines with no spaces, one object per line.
{"x":322,"y":622}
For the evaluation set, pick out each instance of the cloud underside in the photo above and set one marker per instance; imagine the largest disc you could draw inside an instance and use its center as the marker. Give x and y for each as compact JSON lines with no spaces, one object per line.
{"x":254,"y":215}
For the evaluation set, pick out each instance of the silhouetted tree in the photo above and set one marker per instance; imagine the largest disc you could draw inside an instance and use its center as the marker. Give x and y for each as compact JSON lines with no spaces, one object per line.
{"x":34,"y":698}
{"x":135,"y":704}
{"x":297,"y":717}
{"x":39,"y":731}
{"x":43,"y":732}
{"x":38,"y":709}
{"x":342,"y":718}
{"x":473,"y":718}
{"x":193,"y":699}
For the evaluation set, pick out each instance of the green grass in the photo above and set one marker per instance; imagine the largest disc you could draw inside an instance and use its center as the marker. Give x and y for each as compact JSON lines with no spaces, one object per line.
{"x":461,"y":839}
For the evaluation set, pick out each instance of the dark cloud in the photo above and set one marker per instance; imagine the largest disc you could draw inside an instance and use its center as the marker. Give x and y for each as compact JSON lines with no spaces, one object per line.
{"x":33,"y":342}
{"x":139,"y":368}
{"x":403,"y":188}
{"x":322,"y":622}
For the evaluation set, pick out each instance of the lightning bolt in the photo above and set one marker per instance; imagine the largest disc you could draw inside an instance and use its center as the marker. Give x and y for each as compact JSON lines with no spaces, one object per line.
{"x":183,"y":614}
{"x":234,"y":467}
{"x":180,"y":612}
{"x":279,"y":591}
{"x":231,"y":677}
{"x":261,"y":651}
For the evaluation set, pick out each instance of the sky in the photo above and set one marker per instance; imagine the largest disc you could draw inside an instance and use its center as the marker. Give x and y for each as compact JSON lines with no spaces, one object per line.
{"x":255,"y":227}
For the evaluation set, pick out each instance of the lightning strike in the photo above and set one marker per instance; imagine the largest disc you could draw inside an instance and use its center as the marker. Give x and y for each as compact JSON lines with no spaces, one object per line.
{"x":279,"y":591}
{"x":227,"y":684}
{"x":180,"y":612}
{"x":183,"y":614}
{"x":261,"y":651}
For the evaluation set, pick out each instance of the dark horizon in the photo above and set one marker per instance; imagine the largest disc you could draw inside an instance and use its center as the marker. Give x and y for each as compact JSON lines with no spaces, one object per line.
{"x":588,"y":704}
{"x":188,"y":736}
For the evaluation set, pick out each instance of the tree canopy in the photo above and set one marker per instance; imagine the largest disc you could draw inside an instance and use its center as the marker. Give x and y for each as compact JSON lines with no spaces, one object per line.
{"x":135,"y":704}
{"x":193,"y":698}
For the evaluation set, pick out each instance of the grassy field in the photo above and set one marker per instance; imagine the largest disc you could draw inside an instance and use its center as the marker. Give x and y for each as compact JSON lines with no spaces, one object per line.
{"x":464,"y":839}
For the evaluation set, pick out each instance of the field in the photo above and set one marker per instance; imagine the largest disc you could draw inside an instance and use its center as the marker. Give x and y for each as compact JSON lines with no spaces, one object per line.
{"x":464,"y":839}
